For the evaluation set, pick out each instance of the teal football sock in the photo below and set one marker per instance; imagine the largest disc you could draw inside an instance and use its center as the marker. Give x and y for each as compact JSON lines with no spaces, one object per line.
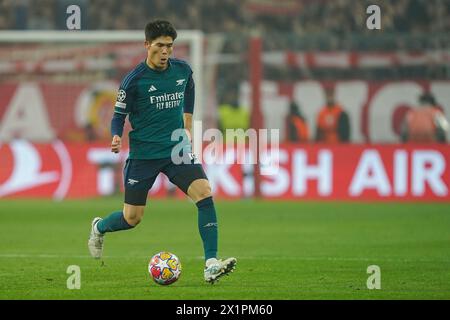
{"x":114,"y":222}
{"x":207,"y":225}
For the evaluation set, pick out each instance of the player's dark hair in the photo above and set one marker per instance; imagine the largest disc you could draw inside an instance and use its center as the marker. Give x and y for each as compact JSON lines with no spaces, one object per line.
{"x":159,"y":28}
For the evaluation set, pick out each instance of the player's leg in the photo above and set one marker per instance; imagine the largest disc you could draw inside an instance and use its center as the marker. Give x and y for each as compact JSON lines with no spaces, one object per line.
{"x":192,"y":180}
{"x":133,"y":214}
{"x":130,"y":216}
{"x":200,"y":192}
{"x":137,"y":183}
{"x":126,"y":219}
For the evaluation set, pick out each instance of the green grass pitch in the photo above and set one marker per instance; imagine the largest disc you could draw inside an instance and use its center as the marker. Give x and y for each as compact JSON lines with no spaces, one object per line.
{"x":285,"y":250}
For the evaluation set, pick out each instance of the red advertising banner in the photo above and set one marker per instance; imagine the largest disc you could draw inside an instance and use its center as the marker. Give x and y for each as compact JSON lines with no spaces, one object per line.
{"x":352,"y":172}
{"x":314,"y":172}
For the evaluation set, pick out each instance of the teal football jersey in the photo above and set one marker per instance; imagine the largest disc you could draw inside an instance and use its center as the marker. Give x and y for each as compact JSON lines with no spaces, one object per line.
{"x":154,"y":101}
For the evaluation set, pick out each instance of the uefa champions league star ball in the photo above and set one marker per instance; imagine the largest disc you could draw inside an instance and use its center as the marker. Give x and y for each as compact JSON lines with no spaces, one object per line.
{"x":164,"y":268}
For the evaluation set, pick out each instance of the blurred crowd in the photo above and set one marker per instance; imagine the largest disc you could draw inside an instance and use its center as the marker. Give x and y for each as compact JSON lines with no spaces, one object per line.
{"x":300,"y":17}
{"x":324,"y":25}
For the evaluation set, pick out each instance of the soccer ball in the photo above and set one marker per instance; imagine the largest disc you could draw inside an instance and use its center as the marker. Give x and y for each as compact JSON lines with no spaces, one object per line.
{"x":164,"y":268}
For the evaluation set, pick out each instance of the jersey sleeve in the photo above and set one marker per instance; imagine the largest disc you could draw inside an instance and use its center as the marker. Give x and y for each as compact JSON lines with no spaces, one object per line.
{"x":117,"y":124}
{"x":189,"y":96}
{"x":124,"y":100}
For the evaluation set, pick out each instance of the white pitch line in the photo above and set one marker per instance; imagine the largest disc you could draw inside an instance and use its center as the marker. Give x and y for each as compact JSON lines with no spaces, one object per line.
{"x":379,"y":259}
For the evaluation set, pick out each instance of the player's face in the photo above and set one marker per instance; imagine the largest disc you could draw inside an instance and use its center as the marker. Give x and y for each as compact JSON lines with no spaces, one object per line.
{"x":158,"y":52}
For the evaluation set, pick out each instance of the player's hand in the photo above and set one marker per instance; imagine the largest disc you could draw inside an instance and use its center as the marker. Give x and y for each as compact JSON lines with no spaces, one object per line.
{"x":116,"y":144}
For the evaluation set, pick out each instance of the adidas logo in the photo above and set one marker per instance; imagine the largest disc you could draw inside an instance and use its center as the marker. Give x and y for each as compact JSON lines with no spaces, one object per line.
{"x":152,"y":88}
{"x":180,"y":82}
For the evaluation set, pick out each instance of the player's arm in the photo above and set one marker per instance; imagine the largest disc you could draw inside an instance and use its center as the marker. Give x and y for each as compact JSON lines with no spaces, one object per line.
{"x":189,"y":100}
{"x":117,"y":124}
{"x":187,"y":117}
{"x":121,"y":109}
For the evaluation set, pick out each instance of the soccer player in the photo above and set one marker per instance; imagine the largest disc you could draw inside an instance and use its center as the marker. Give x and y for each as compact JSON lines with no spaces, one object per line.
{"x":158,"y":97}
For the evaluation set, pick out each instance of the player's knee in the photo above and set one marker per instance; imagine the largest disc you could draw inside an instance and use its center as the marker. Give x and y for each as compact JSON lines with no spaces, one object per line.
{"x":134,"y":220}
{"x":133,"y":215}
{"x":205,"y":192}
{"x":199,"y":190}
{"x":137,"y":221}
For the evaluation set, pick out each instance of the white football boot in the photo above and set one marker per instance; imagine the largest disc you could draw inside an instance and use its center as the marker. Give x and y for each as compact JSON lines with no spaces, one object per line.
{"x":214,"y":268}
{"x":95,"y":242}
